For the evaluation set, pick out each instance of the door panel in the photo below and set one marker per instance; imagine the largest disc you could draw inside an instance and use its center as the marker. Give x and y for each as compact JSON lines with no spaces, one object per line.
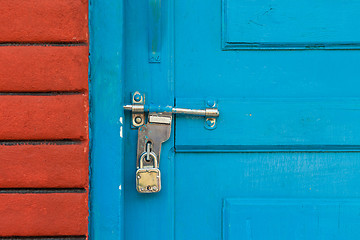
{"x":273,"y":124}
{"x":286,"y":144}
{"x":203,"y":181}
{"x":204,"y":70}
{"x":294,"y":219}
{"x":285,"y":153}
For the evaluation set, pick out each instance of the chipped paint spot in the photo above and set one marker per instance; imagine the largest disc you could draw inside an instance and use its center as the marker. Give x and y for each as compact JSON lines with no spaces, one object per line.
{"x":121,"y":132}
{"x":121,"y":120}
{"x":120,"y":187}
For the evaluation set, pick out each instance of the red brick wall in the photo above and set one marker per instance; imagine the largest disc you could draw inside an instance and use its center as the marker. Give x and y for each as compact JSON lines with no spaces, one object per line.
{"x":44,"y":118}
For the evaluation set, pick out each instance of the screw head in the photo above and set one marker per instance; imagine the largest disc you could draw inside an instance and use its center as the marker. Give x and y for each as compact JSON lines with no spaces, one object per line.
{"x":137,"y":97}
{"x":138,"y":120}
{"x":210,"y":122}
{"x":211,"y":103}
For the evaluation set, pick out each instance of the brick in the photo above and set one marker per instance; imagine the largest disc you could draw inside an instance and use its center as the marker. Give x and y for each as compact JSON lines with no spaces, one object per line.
{"x":44,"y":166}
{"x":53,"y":214}
{"x":43,"y":21}
{"x":43,"y":68}
{"x":27,"y":117}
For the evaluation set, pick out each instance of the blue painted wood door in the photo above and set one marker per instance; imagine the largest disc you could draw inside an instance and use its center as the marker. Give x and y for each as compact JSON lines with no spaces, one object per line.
{"x":283,"y":162}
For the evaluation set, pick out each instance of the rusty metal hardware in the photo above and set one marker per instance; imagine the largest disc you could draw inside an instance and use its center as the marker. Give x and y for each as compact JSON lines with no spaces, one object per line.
{"x":208,"y":112}
{"x":150,"y":138}
{"x":156,"y":131}
{"x":139,"y":108}
{"x":138,"y":115}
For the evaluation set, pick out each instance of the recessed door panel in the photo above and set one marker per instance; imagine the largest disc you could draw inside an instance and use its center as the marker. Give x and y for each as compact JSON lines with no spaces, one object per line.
{"x":289,"y":24}
{"x":272,"y":191}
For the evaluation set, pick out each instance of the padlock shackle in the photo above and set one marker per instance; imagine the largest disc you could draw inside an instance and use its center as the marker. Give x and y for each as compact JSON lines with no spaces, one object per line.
{"x":142,"y":158}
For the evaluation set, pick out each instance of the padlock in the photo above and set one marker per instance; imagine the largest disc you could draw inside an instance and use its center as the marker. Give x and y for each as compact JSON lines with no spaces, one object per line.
{"x":148,"y":178}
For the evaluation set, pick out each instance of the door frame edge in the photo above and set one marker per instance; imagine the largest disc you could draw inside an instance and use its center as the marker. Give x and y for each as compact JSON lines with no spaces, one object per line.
{"x":106,"y":118}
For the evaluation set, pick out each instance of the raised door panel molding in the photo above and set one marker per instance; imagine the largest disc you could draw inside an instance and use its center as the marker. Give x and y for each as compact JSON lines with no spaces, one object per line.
{"x":272,"y":125}
{"x":291,"y":219}
{"x":284,"y":24}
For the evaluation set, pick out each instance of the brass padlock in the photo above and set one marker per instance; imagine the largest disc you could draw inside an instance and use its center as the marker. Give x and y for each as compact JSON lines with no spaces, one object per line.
{"x":148,"y":178}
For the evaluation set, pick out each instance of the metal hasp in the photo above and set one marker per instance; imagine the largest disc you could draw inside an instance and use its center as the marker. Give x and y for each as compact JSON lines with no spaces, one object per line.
{"x":156,"y":131}
{"x":150,"y":138}
{"x":210,"y":120}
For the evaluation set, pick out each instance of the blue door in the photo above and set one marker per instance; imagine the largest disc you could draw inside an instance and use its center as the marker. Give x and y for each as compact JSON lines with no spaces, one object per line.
{"x":283,"y":160}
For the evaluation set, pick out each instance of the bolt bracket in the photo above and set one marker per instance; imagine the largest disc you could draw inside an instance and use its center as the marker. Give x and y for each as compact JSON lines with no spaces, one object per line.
{"x":138,"y":114}
{"x":210,"y":122}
